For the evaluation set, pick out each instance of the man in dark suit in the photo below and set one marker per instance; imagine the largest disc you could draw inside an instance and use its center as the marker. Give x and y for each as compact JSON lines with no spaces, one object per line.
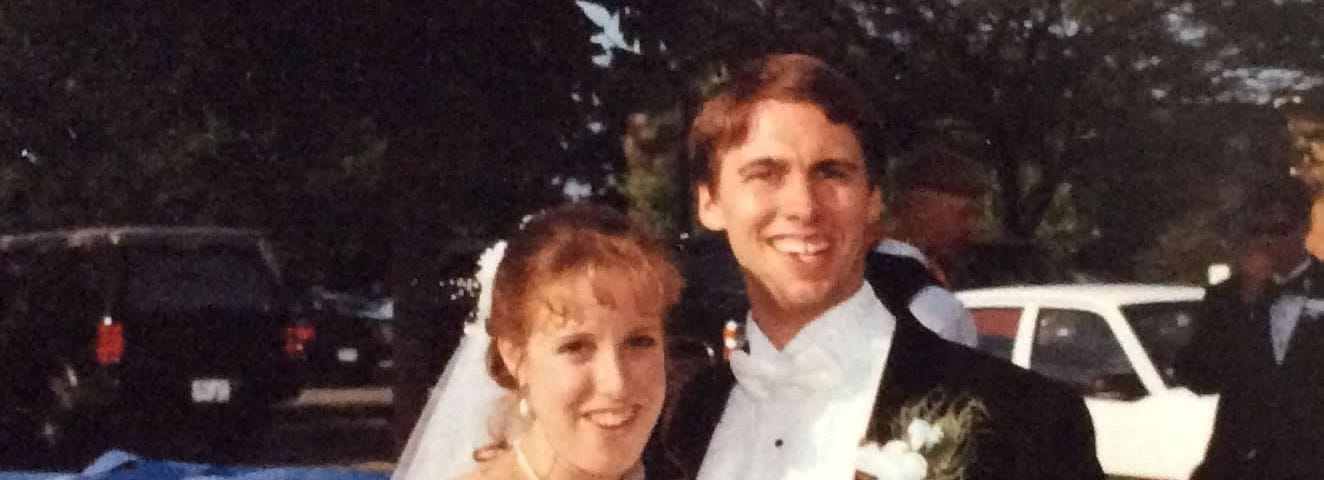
{"x":821,"y":364}
{"x":1259,"y":342}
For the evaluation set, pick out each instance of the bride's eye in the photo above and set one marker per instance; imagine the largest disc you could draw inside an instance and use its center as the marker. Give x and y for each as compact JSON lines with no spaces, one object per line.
{"x":642,"y":341}
{"x":578,"y":349}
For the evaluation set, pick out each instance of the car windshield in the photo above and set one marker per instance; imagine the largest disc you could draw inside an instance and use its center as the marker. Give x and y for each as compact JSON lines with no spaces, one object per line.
{"x":209,"y":277}
{"x":1163,"y":329}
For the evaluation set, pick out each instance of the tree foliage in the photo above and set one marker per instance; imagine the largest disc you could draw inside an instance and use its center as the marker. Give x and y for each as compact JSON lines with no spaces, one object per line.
{"x":1282,"y":34}
{"x":1031,"y":87}
{"x":1095,"y":116}
{"x":315,"y":121}
{"x":378,"y":137}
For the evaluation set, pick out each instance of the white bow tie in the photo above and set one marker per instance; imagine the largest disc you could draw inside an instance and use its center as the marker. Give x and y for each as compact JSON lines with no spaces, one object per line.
{"x":809,"y":372}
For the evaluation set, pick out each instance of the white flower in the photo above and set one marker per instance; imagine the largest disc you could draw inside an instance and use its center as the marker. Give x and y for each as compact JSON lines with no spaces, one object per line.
{"x":893,"y":461}
{"x":922,"y":434}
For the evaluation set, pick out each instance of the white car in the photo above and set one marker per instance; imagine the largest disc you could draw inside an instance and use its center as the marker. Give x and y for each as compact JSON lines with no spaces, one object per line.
{"x":1116,"y":345}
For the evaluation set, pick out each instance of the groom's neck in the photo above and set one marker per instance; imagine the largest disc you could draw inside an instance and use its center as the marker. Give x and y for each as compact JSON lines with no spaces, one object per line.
{"x":781,"y":317}
{"x":781,"y":325}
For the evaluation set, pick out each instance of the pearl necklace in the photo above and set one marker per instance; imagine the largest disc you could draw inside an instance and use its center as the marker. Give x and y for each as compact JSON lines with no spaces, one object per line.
{"x":637,"y":474}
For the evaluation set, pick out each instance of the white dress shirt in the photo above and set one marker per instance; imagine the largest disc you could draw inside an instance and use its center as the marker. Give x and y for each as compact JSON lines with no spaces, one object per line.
{"x":934,"y":306}
{"x":781,"y":432}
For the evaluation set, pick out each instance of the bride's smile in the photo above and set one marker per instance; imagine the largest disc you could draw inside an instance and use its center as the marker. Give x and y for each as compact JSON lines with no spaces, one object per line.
{"x":613,"y":418}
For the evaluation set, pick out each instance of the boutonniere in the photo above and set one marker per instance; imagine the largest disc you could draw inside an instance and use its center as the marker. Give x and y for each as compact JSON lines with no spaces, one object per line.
{"x":936,"y":443}
{"x":733,"y":338}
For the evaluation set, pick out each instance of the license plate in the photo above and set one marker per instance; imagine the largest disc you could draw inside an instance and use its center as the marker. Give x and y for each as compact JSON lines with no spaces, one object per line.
{"x":347,"y":355}
{"x":211,"y":390}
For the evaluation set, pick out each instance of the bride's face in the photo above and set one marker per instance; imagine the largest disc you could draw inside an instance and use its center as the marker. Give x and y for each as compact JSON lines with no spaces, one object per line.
{"x":595,"y":373}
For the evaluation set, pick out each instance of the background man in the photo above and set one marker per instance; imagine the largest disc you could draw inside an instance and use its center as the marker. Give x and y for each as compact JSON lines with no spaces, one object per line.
{"x":937,"y":208}
{"x":1305,"y":125}
{"x":1259,"y":342}
{"x":933,"y":216}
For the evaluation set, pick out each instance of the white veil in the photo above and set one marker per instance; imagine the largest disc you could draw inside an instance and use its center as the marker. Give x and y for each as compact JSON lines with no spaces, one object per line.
{"x":456,"y":419}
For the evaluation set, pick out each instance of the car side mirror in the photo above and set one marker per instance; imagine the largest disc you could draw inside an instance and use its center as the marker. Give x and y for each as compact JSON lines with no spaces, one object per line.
{"x":1125,"y":387}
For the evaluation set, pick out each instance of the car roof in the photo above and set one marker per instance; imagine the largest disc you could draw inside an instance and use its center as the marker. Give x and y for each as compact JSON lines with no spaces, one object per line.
{"x":75,"y":237}
{"x":1098,"y":293}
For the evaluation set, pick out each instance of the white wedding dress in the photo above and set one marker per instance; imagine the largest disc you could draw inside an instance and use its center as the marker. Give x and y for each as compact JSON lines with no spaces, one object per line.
{"x":456,"y":419}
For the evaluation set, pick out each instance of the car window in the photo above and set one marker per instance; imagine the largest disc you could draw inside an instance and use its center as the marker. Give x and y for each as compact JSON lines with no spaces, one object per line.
{"x":1077,"y":347}
{"x":62,"y":294}
{"x":225,"y":277}
{"x":1163,"y":329}
{"x":997,"y":329}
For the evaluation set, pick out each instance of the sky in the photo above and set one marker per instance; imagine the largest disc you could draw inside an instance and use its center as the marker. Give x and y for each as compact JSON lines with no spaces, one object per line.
{"x":610,"y":38}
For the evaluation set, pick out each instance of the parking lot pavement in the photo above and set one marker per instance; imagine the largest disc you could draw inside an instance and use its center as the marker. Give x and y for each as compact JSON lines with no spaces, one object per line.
{"x":323,"y":427}
{"x":338,"y":427}
{"x":347,"y":428}
{"x":343,"y":397}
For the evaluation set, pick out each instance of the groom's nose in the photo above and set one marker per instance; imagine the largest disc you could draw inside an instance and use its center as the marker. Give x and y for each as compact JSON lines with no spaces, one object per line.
{"x":798,"y":198}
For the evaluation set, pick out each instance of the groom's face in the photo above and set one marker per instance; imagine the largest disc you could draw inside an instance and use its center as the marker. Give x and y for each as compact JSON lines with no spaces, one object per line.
{"x":796,"y":202}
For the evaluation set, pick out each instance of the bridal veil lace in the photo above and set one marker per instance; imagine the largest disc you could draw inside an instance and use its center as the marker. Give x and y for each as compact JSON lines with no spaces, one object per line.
{"x":455,"y":421}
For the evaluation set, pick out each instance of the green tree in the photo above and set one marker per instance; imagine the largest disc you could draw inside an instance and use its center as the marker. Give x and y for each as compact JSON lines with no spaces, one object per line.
{"x":349,"y":130}
{"x":1034,"y":88}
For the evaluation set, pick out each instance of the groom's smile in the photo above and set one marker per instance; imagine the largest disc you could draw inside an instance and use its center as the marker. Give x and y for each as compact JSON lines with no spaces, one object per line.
{"x":804,"y":248}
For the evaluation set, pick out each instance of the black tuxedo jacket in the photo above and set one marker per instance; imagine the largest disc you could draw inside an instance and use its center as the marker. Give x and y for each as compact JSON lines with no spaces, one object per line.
{"x":1270,"y":420}
{"x":1035,"y":429}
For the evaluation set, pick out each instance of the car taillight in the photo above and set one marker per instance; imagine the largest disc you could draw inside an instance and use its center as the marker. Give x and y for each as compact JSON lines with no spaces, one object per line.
{"x":297,"y":337}
{"x":110,"y":342}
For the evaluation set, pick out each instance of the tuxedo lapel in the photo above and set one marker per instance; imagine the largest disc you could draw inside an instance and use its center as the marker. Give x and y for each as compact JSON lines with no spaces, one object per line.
{"x":908,"y":373}
{"x":690,"y":422}
{"x":1305,"y":346}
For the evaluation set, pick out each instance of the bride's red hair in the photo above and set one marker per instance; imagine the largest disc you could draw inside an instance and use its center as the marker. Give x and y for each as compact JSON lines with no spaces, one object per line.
{"x":560,"y":247}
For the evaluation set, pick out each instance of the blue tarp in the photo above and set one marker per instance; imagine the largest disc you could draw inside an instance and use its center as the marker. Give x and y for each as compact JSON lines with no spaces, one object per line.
{"x":119,"y":465}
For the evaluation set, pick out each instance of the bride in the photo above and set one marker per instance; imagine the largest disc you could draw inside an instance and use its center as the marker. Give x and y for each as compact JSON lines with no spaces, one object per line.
{"x":566,"y":377}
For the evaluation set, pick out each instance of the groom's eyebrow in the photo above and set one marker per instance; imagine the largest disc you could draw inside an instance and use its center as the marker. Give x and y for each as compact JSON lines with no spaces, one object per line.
{"x":761,"y":163}
{"x":838,"y":164}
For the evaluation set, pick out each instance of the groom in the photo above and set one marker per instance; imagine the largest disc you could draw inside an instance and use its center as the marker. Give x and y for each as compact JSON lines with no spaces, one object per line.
{"x":783,"y":165}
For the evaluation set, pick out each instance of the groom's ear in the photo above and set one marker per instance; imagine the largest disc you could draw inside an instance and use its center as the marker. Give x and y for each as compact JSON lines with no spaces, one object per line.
{"x":710,"y":212}
{"x":512,"y":356}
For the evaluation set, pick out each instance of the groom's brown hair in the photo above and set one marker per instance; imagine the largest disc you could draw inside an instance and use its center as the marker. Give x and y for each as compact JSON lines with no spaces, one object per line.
{"x":724,"y":120}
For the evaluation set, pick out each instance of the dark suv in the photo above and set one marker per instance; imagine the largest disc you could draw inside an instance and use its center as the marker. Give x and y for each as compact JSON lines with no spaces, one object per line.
{"x":104,"y":323}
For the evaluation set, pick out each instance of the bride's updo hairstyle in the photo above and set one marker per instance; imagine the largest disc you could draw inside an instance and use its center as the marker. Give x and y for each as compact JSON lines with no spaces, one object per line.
{"x":561,"y":246}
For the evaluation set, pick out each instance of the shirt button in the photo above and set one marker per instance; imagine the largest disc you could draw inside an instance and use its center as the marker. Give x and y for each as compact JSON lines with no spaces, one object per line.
{"x":778,"y":443}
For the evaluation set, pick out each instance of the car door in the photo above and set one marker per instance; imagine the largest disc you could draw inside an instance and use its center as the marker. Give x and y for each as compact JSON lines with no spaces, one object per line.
{"x":997,"y":329}
{"x":1137,"y":420}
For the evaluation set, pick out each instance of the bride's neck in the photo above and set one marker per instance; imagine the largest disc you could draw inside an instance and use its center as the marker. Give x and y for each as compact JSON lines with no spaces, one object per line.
{"x":544,"y":461}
